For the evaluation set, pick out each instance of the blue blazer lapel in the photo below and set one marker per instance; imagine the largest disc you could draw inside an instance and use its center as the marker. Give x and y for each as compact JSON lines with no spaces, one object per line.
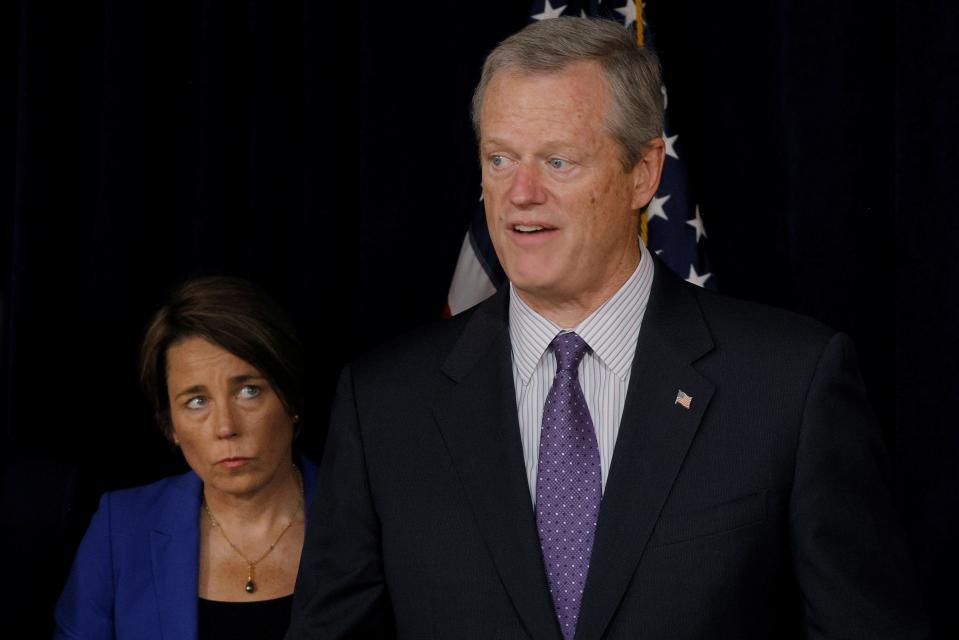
{"x":655,"y":434}
{"x":174,"y":552}
{"x":479,"y":425}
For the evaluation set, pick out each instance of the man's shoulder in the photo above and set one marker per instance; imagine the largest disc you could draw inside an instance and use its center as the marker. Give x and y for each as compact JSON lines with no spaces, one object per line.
{"x":728,"y":316}
{"x":428,"y":348}
{"x":413,"y":370}
{"x":421,"y":347}
{"x":676,"y":308}
{"x":777,"y":344}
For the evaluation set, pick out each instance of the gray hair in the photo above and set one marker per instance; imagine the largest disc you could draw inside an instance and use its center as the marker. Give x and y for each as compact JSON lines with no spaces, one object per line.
{"x":632,"y":73}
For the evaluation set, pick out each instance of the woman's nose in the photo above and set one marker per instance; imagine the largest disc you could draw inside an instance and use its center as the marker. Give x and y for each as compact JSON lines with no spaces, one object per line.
{"x":225,"y":425}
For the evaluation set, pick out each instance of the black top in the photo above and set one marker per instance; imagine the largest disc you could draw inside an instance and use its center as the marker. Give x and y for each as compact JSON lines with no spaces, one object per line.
{"x":260,"y":620}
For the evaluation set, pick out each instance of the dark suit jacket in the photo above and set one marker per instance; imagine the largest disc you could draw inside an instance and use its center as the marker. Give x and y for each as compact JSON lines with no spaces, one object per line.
{"x":137,"y":569}
{"x":759,"y":512}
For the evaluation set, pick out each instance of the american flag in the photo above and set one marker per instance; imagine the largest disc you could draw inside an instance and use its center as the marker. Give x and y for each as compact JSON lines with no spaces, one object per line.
{"x":683,"y":399}
{"x":671,"y":226}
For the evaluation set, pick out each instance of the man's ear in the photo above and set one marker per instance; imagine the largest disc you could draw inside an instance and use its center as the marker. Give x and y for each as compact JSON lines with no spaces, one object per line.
{"x":647,"y":172}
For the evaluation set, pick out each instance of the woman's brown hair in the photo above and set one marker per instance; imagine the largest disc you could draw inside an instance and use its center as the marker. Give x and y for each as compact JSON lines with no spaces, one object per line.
{"x":231,"y":313}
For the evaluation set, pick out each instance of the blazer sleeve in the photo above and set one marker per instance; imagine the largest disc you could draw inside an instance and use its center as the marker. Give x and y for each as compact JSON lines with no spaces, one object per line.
{"x":848,"y":545}
{"x":341,"y":589}
{"x":86,"y":606}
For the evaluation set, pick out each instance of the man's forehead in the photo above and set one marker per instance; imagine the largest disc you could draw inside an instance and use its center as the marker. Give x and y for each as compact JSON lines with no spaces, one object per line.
{"x":589,"y":71}
{"x":555,"y":103}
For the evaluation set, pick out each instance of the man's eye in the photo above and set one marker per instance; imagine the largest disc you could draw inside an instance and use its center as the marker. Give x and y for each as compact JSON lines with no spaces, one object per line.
{"x":558,"y":163}
{"x":250,"y":391}
{"x":497,"y":161}
{"x":196,"y":402}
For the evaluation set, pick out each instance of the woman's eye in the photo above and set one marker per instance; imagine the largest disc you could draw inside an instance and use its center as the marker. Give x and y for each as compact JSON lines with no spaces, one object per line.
{"x":196,"y":402}
{"x":249,"y":391}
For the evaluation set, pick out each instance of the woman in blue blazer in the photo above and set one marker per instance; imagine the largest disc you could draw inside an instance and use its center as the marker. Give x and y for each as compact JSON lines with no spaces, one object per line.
{"x":213,"y":552}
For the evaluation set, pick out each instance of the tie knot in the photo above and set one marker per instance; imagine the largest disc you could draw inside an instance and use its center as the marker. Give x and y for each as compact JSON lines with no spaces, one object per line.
{"x":569,"y":349}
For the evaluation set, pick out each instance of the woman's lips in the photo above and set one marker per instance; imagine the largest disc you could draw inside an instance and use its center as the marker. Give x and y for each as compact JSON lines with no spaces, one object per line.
{"x":233,"y":463}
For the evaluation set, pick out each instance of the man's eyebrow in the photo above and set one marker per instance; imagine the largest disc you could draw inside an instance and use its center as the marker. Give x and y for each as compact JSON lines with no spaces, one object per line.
{"x":493,"y":142}
{"x":542,"y":144}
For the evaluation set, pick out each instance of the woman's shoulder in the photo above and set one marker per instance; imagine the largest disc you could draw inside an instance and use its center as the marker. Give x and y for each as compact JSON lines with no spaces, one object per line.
{"x":133,"y":504}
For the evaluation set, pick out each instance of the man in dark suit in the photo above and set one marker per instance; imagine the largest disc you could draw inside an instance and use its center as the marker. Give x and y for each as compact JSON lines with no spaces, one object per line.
{"x":600,"y":450}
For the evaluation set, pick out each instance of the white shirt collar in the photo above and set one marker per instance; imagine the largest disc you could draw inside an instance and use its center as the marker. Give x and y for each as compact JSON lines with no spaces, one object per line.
{"x":611,"y":331}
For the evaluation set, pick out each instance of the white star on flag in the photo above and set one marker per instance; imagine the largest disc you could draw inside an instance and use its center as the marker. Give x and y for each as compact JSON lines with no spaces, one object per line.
{"x":655,"y":209}
{"x":549,"y":11}
{"x":695,"y":278}
{"x":697,"y":224}
{"x":628,"y":11}
{"x":670,"y":149}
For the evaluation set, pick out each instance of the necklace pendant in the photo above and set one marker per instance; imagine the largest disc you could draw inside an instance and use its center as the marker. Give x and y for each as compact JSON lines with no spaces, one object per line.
{"x":250,"y":586}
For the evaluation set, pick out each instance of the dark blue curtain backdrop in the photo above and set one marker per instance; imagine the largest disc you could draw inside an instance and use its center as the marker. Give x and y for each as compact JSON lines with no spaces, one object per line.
{"x":325,"y":152}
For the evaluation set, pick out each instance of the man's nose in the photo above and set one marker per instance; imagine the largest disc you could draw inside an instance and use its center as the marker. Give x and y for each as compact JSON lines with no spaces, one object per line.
{"x":527,"y":187}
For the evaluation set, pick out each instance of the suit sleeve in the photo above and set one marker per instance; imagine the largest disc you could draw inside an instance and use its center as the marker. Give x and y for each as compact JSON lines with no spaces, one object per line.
{"x":341,"y":589}
{"x":85,"y":608}
{"x":848,"y":545}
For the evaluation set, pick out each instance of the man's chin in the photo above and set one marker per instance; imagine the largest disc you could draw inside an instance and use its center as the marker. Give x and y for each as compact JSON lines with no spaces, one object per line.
{"x":532,"y":271}
{"x":536,"y":288}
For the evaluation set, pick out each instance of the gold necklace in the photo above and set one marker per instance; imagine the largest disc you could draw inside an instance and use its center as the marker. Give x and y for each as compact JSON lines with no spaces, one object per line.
{"x":250,"y":584}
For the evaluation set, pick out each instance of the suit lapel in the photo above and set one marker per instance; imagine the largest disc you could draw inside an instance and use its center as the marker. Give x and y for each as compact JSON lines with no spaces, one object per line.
{"x":479,"y":425}
{"x":654,"y":435}
{"x":174,"y":552}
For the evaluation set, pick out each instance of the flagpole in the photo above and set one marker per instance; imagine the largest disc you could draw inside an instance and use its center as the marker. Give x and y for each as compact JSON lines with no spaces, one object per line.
{"x":640,"y":24}
{"x":641,"y":41}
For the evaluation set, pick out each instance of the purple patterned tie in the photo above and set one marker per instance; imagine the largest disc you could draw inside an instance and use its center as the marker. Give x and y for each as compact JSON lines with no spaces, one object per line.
{"x":568,"y":483}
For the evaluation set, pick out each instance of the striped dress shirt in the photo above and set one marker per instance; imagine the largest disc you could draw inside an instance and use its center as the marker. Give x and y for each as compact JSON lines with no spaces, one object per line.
{"x":611,"y":333}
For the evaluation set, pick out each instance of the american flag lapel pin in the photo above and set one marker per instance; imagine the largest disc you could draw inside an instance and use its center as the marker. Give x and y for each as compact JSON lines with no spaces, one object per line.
{"x":683,"y":399}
